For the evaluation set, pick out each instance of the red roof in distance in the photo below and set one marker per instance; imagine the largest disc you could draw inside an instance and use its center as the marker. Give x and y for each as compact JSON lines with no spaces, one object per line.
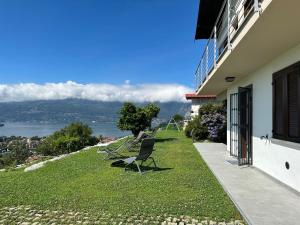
{"x":195,"y":96}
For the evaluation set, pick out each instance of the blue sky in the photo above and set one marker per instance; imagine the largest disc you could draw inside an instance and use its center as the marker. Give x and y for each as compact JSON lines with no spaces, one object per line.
{"x":98,"y":41}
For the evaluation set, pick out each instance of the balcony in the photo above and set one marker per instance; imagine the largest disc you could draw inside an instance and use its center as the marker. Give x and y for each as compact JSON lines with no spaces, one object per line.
{"x":255,"y":34}
{"x":230,"y":21}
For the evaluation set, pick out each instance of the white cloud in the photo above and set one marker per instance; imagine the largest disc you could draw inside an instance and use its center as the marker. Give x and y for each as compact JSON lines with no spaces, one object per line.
{"x":101,"y":92}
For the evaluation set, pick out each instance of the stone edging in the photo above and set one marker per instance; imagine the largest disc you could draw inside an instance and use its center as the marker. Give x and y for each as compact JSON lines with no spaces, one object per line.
{"x":28,"y":215}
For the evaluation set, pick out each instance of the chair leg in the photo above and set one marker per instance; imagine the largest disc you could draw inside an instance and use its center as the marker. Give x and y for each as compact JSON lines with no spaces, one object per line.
{"x":153,"y":161}
{"x":140,"y":171}
{"x":109,"y":156}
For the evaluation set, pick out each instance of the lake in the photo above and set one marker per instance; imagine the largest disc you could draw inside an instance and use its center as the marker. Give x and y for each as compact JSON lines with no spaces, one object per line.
{"x":27,"y":129}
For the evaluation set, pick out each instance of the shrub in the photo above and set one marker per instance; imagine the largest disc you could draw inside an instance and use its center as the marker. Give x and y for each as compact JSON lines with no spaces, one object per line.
{"x":211,"y":108}
{"x":95,"y":140}
{"x":17,"y":154}
{"x":196,"y":130}
{"x":209,"y":124}
{"x":18,"y":151}
{"x":47,"y":146}
{"x":7,"y":160}
{"x":69,"y":139}
{"x":189,"y":127}
{"x":215,"y":124}
{"x":67,"y":144}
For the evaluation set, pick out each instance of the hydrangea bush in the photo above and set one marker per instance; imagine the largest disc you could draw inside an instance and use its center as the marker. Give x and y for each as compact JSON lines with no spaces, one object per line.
{"x":210,"y":123}
{"x":215,"y":123}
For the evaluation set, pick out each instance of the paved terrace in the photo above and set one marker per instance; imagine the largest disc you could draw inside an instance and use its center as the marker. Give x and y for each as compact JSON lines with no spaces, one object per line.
{"x":261,"y":199}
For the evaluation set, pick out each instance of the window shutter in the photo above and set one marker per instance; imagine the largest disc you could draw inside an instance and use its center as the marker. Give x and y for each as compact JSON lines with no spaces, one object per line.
{"x":286,"y":103}
{"x":293,"y":103}
{"x":279,"y":106}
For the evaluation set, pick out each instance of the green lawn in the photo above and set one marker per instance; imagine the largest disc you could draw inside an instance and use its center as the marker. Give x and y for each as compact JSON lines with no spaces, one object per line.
{"x":85,"y":182}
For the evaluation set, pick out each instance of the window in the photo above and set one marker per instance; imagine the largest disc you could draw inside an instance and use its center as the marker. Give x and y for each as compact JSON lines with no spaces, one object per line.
{"x":286,"y":104}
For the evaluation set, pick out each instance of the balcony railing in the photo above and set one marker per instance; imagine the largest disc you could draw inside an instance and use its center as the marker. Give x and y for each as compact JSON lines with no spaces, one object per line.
{"x":232,"y":17}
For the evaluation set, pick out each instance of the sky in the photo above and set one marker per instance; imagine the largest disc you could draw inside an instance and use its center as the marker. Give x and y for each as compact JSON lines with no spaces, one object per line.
{"x":128,"y":45}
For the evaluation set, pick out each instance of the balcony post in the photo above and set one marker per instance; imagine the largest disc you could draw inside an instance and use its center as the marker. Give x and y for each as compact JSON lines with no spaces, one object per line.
{"x":215,"y":47}
{"x":201,"y":72}
{"x":257,"y":7}
{"x":228,"y":24}
{"x":206,"y":60}
{"x":196,"y":80}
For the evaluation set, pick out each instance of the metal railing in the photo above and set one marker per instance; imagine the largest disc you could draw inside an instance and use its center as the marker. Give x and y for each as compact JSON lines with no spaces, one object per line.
{"x":230,"y":20}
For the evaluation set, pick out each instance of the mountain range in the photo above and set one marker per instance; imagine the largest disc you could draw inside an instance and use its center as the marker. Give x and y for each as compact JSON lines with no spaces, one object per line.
{"x":57,"y":111}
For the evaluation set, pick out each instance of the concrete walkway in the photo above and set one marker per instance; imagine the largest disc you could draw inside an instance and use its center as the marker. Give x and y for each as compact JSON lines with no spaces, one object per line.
{"x":260,"y":199}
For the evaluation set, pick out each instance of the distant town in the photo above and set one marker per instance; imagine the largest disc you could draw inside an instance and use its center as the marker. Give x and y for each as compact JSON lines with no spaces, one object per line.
{"x":29,"y":143}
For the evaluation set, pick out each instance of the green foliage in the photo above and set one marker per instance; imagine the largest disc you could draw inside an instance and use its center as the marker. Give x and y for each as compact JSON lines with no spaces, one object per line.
{"x":69,"y":139}
{"x":151,"y":110}
{"x":85,"y":182}
{"x":135,"y":118}
{"x":18,"y":151}
{"x":66,"y":144}
{"x":47,"y":147}
{"x":196,"y":130}
{"x":209,"y":124}
{"x":178,"y":118}
{"x":211,"y":108}
{"x":17,"y":154}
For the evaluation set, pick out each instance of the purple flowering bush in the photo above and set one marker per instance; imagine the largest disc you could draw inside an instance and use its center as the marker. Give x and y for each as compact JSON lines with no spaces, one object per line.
{"x":210,"y":123}
{"x":215,"y":124}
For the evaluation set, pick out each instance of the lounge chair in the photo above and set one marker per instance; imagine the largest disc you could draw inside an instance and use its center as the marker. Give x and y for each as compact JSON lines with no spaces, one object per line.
{"x":145,"y":152}
{"x":113,"y":153}
{"x":128,"y":144}
{"x":132,"y":145}
{"x":153,"y":132}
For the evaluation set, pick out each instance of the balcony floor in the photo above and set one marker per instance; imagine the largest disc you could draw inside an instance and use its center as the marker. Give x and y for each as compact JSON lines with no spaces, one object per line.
{"x":260,"y":198}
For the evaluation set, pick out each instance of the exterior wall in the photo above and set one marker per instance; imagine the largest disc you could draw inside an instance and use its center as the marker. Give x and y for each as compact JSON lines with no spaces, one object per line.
{"x":196,"y":104}
{"x":270,"y":155}
{"x":195,"y":107}
{"x":222,"y":97}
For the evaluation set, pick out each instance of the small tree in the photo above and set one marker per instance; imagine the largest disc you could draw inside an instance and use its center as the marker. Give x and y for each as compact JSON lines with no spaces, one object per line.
{"x":178,"y":118}
{"x":137,"y":119}
{"x":151,"y":110}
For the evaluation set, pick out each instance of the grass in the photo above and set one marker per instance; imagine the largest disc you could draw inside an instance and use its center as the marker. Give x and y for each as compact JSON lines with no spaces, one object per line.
{"x":183,"y":185}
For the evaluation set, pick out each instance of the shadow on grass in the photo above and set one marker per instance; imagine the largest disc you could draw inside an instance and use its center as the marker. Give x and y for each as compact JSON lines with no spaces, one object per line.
{"x":134,"y":168}
{"x":165,"y":139}
{"x":148,"y":168}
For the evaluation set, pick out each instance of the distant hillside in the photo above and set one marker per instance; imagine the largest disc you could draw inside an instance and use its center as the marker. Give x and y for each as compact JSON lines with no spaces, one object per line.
{"x":57,"y":111}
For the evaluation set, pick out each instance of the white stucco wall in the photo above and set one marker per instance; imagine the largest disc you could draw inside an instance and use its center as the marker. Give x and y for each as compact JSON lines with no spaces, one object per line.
{"x":197,"y":103}
{"x":270,"y":156}
{"x":195,"y":107}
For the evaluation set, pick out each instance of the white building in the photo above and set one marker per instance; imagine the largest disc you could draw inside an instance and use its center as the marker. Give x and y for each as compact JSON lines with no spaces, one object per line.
{"x":198,"y":101}
{"x":252,"y":59}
